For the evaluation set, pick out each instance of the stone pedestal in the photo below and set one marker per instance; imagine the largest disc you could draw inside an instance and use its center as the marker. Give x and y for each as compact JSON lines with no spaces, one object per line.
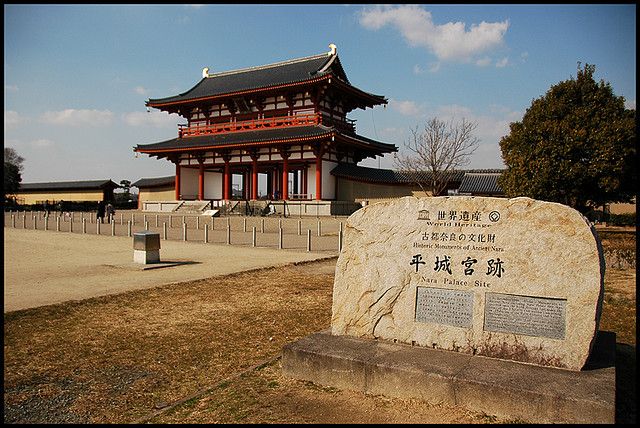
{"x":146,"y":247}
{"x":503,"y":388}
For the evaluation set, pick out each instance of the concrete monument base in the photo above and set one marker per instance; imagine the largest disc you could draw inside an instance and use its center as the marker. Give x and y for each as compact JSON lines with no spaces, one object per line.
{"x":146,"y":257}
{"x":502,"y":388}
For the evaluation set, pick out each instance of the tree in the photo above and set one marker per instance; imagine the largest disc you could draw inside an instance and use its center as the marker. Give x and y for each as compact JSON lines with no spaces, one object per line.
{"x":12,"y":171}
{"x":575,"y":145}
{"x":438,"y":149}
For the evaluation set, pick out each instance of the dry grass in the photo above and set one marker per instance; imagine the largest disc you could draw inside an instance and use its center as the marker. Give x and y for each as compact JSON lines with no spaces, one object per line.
{"x":118,"y":359}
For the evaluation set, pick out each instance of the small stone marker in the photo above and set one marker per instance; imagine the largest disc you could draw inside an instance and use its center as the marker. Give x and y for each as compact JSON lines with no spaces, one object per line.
{"x":516,"y":279}
{"x":146,"y":247}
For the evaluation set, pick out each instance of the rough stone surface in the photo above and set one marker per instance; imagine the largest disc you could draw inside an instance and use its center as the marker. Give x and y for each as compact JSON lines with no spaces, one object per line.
{"x":533,"y":294}
{"x":506,"y":389}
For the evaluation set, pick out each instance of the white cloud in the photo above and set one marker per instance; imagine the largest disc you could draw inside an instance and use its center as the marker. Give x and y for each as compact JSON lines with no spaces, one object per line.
{"x":502,"y":63}
{"x":12,"y":119}
{"x":406,"y":108}
{"x":41,"y":143}
{"x":483,"y":62}
{"x":153,"y":118}
{"x":140,"y":90}
{"x":524,"y":56}
{"x":449,"y":42}
{"x":11,"y":88}
{"x":74,"y":117}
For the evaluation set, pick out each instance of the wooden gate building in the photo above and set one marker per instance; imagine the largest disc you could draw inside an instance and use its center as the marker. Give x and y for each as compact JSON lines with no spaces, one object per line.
{"x":286,"y":120}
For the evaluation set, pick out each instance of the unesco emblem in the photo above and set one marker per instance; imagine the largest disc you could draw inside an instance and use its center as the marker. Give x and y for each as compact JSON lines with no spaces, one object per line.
{"x":494,"y":216}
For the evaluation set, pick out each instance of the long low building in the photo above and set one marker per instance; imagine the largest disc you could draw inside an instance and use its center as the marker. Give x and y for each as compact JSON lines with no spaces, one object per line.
{"x":68,"y":191}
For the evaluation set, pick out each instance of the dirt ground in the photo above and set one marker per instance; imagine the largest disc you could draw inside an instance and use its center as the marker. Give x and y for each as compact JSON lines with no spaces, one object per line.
{"x":207,"y":351}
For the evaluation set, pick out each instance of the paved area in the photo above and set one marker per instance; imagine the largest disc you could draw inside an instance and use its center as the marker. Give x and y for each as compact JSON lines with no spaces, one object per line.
{"x":46,"y":267}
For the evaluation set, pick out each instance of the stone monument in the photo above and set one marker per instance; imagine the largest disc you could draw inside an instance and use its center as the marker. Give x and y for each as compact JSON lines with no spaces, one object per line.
{"x":517,"y":279}
{"x":427,"y":288}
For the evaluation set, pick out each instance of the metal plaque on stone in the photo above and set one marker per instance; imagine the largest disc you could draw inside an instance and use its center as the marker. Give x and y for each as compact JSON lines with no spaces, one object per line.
{"x":530,"y":316}
{"x":444,"y":306}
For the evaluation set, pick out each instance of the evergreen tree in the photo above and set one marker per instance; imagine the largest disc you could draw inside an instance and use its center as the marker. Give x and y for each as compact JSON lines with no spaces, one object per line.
{"x":575,"y":145}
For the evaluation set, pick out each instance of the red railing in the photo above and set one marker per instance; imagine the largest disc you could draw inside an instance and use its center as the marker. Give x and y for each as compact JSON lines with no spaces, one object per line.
{"x":248,"y":125}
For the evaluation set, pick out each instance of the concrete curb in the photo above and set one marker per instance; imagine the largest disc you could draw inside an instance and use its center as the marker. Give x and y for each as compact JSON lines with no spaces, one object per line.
{"x":497,"y":387}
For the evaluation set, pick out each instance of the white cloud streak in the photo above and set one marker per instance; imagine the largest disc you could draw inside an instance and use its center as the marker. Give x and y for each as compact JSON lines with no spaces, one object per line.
{"x":72,"y":117}
{"x":406,"y":108}
{"x":449,"y":42}
{"x":154,"y":119}
{"x":12,"y":119}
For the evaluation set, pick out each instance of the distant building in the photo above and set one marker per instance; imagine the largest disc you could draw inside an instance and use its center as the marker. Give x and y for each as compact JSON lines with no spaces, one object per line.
{"x":68,"y":191}
{"x":155,"y":189}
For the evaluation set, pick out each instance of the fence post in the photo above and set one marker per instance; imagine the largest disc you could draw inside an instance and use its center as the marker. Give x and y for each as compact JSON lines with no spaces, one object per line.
{"x":35,"y":222}
{"x":113,"y":227}
{"x":71,"y":225}
{"x":206,"y":233}
{"x":146,"y":225}
{"x":121,"y":219}
{"x":262,"y":225}
{"x":299,"y":227}
{"x":144,"y":220}
{"x":308,"y":239}
{"x":84,"y":225}
{"x":170,"y":221}
{"x":58,"y":224}
{"x":133,"y":218}
{"x":13,"y":221}
{"x":24,"y":220}
{"x":228,"y":232}
{"x":340,"y":238}
{"x":164,"y":230}
{"x":253,"y":236}
{"x":213,"y":223}
{"x":319,"y":227}
{"x":156,"y":220}
{"x":280,"y":243}
{"x":129,"y":228}
{"x":184,"y":231}
{"x":244,"y":224}
{"x":97,"y":227}
{"x":197,"y":223}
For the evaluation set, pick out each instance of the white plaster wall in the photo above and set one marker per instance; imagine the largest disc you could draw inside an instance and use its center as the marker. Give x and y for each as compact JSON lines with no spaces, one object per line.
{"x":328,"y":180}
{"x":189,"y":183}
{"x":311,"y":181}
{"x":212,"y":185}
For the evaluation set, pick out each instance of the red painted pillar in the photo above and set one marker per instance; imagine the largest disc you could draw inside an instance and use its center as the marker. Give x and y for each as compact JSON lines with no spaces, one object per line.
{"x":285,"y":177}
{"x":254,"y":178}
{"x":201,"y":182}
{"x":225,"y":180}
{"x":178,"y":181}
{"x":319,"y":177}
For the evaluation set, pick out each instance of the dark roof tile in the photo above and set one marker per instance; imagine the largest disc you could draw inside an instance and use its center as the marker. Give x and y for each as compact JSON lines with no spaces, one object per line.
{"x":70,"y":185}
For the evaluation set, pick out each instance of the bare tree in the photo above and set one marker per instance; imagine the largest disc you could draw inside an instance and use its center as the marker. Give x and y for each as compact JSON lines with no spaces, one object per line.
{"x":437,"y":150}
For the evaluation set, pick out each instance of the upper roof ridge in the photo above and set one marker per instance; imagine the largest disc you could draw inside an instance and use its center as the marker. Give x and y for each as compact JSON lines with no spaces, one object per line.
{"x":266,"y":66}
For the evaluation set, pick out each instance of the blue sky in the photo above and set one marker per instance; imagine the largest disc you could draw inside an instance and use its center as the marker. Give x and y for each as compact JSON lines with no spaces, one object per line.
{"x":76,"y":77}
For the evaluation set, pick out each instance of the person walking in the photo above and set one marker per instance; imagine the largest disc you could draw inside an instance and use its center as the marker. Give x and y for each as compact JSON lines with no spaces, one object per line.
{"x":110,"y":212}
{"x":100,"y":213}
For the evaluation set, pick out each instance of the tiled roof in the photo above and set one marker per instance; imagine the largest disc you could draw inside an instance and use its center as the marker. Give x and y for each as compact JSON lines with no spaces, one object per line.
{"x":266,"y":135}
{"x":277,"y":74}
{"x":69,"y":185}
{"x":155,"y":182}
{"x":481,"y":183}
{"x":388,"y":176}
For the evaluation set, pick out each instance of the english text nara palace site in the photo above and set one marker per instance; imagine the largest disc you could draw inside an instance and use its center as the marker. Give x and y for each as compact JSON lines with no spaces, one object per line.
{"x":286,"y":120}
